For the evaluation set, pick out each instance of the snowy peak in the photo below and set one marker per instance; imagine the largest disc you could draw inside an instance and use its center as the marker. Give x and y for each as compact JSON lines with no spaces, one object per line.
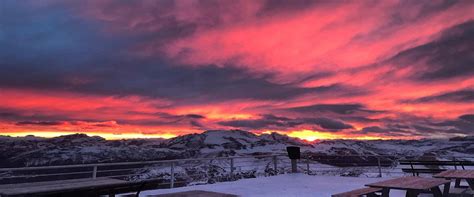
{"x":276,"y":138}
{"x":191,"y":141}
{"x":231,"y":139}
{"x":77,"y":139}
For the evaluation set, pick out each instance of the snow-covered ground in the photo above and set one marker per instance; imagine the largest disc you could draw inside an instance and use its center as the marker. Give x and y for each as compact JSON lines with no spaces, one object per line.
{"x":283,"y":185}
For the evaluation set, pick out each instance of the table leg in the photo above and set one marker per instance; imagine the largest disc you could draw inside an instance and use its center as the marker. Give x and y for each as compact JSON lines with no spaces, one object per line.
{"x":446,"y":189}
{"x":458,"y":183}
{"x":385,"y":192}
{"x":412,"y":193}
{"x":372,"y":195}
{"x":471,"y":183}
{"x":436,"y":192}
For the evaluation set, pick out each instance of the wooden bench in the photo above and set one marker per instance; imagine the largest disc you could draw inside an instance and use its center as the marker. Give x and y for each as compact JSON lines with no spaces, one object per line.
{"x":368,"y":191}
{"x":418,"y":167}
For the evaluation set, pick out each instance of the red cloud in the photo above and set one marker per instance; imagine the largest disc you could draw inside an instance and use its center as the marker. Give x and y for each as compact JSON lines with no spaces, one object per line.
{"x":344,"y":36}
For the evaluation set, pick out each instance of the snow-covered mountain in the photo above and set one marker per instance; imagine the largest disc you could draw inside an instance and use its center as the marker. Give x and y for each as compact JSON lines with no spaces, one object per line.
{"x":80,"y":148}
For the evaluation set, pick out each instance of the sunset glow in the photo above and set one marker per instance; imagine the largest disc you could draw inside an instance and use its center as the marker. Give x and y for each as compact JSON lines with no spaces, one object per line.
{"x":310,"y":69}
{"x":312,"y":135}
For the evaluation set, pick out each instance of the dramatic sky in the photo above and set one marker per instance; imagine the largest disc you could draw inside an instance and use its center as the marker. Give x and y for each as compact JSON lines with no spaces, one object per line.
{"x":313,"y":69}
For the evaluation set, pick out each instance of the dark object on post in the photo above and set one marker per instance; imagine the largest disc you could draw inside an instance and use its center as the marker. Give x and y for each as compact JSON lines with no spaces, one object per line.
{"x":294,"y":154}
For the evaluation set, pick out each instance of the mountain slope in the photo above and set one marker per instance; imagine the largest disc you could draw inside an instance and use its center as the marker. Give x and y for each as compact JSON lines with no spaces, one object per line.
{"x":80,"y":148}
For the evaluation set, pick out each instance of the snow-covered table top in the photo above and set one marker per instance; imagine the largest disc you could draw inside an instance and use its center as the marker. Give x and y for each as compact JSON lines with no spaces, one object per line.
{"x":284,"y":185}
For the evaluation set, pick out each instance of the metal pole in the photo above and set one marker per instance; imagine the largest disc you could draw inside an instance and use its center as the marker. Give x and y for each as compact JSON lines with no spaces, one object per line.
{"x":94,"y":172}
{"x":172,"y":175}
{"x":455,"y":163}
{"x":293,"y":166}
{"x":275,"y":167}
{"x":307,"y":165}
{"x":380,"y":167}
{"x":231,"y":166}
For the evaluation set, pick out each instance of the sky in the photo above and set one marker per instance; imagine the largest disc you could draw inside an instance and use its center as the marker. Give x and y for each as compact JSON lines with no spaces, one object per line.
{"x":313,"y":69}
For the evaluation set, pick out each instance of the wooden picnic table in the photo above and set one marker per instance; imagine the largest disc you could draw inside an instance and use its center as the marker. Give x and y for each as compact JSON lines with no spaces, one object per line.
{"x":58,"y":187}
{"x":414,"y":186}
{"x":467,"y":175}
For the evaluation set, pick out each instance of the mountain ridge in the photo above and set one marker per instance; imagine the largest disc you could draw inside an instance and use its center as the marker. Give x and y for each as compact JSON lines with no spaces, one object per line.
{"x":81,"y":148}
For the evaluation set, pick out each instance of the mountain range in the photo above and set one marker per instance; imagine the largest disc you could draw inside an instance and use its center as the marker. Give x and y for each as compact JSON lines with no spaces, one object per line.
{"x":80,"y":148}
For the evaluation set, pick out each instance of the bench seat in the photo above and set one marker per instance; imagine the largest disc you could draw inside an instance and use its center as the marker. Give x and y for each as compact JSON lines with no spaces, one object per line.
{"x":368,"y":191}
{"x":418,"y":171}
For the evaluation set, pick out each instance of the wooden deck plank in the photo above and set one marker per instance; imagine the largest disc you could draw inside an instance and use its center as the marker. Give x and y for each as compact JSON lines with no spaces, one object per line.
{"x":410,"y":183}
{"x":59,"y":186}
{"x":358,"y":192}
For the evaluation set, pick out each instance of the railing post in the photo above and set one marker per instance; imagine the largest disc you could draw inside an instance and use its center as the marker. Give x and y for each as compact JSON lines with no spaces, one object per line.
{"x":294,"y":166}
{"x":307,"y":166}
{"x":380,"y":167}
{"x":455,"y":163}
{"x":232,"y":166}
{"x":172,"y":175}
{"x":275,"y":167}
{"x":94,"y":172}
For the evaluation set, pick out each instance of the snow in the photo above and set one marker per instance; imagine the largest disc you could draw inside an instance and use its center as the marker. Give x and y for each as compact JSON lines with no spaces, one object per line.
{"x":283,"y":185}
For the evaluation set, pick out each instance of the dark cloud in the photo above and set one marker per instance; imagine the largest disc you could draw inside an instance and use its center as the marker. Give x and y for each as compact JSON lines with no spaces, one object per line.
{"x":268,"y":121}
{"x":374,"y":129}
{"x":398,"y":126}
{"x":455,"y":96}
{"x":29,"y":115}
{"x":197,"y":124}
{"x":424,"y":9}
{"x":271,"y":7}
{"x":32,"y":118}
{"x":81,"y":59}
{"x":203,"y":84}
{"x":467,"y":117}
{"x":335,"y":108}
{"x":195,"y":116}
{"x":273,"y":117}
{"x":459,"y":126}
{"x":390,"y":131}
{"x":22,"y":118}
{"x":448,"y":57}
{"x":360,"y":119}
{"x":40,"y":123}
{"x":425,"y":127}
{"x":47,"y":47}
{"x":329,"y":124}
{"x":251,"y":124}
{"x":165,"y":115}
{"x":393,"y":130}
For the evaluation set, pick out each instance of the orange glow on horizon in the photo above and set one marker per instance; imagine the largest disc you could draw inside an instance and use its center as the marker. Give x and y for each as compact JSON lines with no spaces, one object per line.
{"x":107,"y":136}
{"x":310,"y":135}
{"x":307,"y":135}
